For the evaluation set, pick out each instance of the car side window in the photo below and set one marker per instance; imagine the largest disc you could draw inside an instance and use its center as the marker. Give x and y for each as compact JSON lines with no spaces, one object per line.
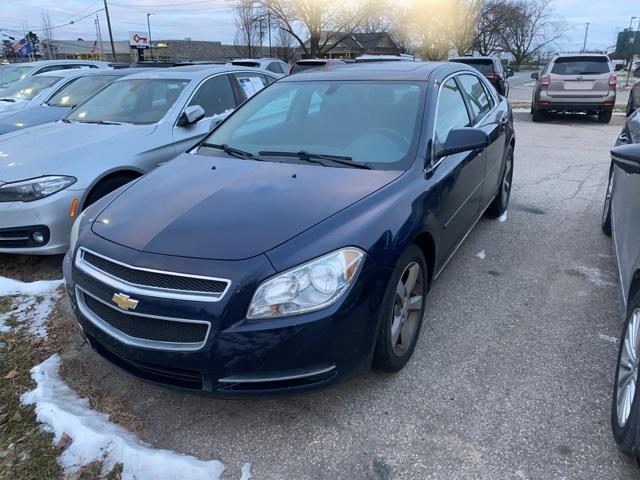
{"x":476,"y":96}
{"x":215,"y":96}
{"x":451,"y":112}
{"x":275,"y":67}
{"x":251,"y":83}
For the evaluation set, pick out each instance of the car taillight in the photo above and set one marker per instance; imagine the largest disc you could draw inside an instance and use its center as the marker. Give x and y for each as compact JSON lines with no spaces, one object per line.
{"x":613,"y":81}
{"x":493,"y":76}
{"x":545,"y":80}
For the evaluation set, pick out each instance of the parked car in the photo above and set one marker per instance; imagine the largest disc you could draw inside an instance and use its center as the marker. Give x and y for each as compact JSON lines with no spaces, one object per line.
{"x":273,"y":65}
{"x":75,"y":87}
{"x":634,"y":98}
{"x":575,"y":83}
{"x":51,"y":172}
{"x":620,"y":219}
{"x":298,"y":241}
{"x":370,"y":58}
{"x":17,"y":71}
{"x":309,"y":63}
{"x":490,"y":67}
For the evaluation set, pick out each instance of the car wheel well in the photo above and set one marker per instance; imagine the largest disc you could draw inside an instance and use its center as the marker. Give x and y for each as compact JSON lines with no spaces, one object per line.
{"x":635,"y":285}
{"x":127,"y":174}
{"x":425,"y":242}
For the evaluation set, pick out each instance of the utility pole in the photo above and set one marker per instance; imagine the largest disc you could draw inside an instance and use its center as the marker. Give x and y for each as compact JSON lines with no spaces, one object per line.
{"x":149,"y":32}
{"x":113,"y":48}
{"x":100,"y":37}
{"x":586,"y":32}
{"x":269,"y":28}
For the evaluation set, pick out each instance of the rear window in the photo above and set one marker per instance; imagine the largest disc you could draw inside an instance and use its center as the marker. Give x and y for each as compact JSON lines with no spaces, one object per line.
{"x":580,"y":66}
{"x":246,"y":64}
{"x":482,"y":65}
{"x":301,"y":67}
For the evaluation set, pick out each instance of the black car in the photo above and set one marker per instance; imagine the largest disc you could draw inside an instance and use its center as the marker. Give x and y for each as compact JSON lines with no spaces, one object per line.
{"x":490,"y":67}
{"x":294,"y":246}
{"x":621,"y":219}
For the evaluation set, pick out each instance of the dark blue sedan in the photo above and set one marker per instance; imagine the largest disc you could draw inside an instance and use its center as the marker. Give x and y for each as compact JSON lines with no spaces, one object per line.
{"x":621,"y":219}
{"x":295,"y":245}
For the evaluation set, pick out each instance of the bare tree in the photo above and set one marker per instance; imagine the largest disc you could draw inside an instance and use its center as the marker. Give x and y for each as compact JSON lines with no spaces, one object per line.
{"x":400,"y":29}
{"x":430,"y":21}
{"x":246,"y":19}
{"x":528,"y":27}
{"x":318,"y":26}
{"x":463,"y":17}
{"x":490,"y":22}
{"x":376,"y":18}
{"x":47,"y":33}
{"x":284,"y":45}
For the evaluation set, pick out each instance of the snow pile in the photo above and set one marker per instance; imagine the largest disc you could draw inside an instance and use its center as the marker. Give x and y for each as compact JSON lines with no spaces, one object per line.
{"x":94,"y":437}
{"x":481,"y":254}
{"x":32,"y":303}
{"x":503,"y":217}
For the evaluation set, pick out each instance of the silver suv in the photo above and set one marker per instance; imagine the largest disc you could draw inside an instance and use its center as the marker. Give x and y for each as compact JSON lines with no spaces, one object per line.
{"x":575,"y":83}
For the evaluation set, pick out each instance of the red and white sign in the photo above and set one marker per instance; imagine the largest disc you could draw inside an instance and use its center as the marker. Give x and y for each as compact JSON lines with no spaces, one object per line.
{"x":138,"y":40}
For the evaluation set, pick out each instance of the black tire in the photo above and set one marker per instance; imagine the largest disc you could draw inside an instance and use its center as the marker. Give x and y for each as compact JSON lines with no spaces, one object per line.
{"x":626,"y":435}
{"x":604,"y":116}
{"x":537,"y":116}
{"x":500,"y":204}
{"x":392,"y":354}
{"x":606,"y":208}
{"x":629,"y":110}
{"x":105,"y":187}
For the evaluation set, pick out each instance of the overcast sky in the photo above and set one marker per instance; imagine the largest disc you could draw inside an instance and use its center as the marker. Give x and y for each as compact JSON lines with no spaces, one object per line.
{"x":213,"y":19}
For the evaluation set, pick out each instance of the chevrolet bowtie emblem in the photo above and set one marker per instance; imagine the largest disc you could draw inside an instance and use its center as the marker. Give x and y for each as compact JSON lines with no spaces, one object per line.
{"x":125,"y":302}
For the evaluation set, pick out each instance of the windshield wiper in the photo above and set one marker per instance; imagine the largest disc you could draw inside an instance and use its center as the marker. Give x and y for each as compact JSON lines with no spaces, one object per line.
{"x":10,"y":100}
{"x":317,"y":158}
{"x":236,"y":152}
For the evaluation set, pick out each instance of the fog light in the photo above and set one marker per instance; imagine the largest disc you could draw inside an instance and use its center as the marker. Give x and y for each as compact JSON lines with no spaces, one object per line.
{"x":37,"y":237}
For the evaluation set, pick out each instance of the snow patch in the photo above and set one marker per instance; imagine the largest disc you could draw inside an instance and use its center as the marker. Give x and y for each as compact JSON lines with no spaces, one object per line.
{"x":481,"y":254}
{"x":608,"y":338}
{"x":94,"y":437}
{"x":246,"y":472}
{"x":595,"y":276}
{"x":503,"y":217}
{"x":31,"y":304}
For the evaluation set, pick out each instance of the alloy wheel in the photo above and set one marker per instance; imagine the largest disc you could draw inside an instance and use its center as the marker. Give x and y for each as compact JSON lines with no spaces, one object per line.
{"x":407,"y":308}
{"x":628,"y":369}
{"x":506,"y":181}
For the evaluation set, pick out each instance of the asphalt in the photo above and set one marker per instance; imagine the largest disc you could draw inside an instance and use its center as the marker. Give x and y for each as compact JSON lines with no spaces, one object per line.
{"x":512,"y":375}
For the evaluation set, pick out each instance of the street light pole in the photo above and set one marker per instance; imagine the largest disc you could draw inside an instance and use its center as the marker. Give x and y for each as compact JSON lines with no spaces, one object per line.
{"x":113,"y":48}
{"x":630,"y":31}
{"x":586,"y":32}
{"x":149,"y":31}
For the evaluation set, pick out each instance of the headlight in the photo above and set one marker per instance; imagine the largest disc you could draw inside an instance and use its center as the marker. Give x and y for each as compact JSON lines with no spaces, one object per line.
{"x":34,"y":189}
{"x":308,"y":287}
{"x":75,"y":231}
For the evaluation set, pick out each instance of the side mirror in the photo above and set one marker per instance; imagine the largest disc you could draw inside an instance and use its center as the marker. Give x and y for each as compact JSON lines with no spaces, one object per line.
{"x":627,"y":157}
{"x":464,"y":140}
{"x":191,"y":115}
{"x":535,"y":75}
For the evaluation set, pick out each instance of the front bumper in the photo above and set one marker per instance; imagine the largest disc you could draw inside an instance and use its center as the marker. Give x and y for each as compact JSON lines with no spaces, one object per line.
{"x":51,"y":212}
{"x":240,"y":357}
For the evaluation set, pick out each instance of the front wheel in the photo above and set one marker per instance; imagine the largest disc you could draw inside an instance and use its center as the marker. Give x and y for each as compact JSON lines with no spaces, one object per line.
{"x":499,"y":204}
{"x":537,"y":115}
{"x":606,"y":209}
{"x":402,"y":312}
{"x":604,"y":116}
{"x":624,"y":408}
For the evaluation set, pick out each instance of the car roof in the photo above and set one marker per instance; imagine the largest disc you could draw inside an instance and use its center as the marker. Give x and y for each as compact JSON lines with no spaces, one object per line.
{"x":478,"y":57}
{"x":190,"y":72}
{"x":562,"y":55}
{"x":417,"y":71}
{"x":80,"y":72}
{"x":45,"y":63}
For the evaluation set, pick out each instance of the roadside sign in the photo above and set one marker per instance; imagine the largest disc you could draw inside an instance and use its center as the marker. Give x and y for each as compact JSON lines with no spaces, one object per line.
{"x":138,"y":40}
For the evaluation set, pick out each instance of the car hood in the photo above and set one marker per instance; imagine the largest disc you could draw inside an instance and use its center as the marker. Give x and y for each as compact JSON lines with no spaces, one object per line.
{"x":53,"y":148}
{"x":238,"y":210}
{"x":31,"y":116}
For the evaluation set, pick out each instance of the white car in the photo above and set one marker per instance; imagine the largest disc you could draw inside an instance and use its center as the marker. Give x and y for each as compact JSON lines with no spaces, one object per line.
{"x":273,"y":65}
{"x":15,"y":72}
{"x":49,"y":173}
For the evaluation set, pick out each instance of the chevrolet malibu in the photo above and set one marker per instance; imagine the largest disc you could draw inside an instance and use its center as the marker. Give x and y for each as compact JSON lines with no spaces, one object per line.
{"x":296,"y":244}
{"x":49,"y":173}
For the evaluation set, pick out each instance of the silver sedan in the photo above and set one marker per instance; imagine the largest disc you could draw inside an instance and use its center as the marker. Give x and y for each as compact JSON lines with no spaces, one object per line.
{"x":50,"y":173}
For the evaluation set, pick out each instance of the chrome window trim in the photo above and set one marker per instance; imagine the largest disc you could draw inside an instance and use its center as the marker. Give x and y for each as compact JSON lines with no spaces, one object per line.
{"x":435,"y":114}
{"x":159,"y":292}
{"x":134,"y":341}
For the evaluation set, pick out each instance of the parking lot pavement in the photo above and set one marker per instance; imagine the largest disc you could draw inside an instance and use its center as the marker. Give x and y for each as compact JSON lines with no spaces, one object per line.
{"x":512,"y":375}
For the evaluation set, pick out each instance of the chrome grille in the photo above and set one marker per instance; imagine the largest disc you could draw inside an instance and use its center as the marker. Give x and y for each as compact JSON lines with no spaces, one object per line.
{"x":143,"y":330}
{"x":151,"y":282}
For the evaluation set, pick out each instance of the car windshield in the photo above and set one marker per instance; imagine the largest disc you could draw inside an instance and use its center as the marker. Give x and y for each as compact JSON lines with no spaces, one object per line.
{"x":29,"y":87}
{"x":302,"y":66}
{"x":137,"y":101}
{"x":12,"y":73}
{"x":366,"y":122}
{"x":580,"y":66}
{"x":78,"y":90}
{"x":482,"y":65}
